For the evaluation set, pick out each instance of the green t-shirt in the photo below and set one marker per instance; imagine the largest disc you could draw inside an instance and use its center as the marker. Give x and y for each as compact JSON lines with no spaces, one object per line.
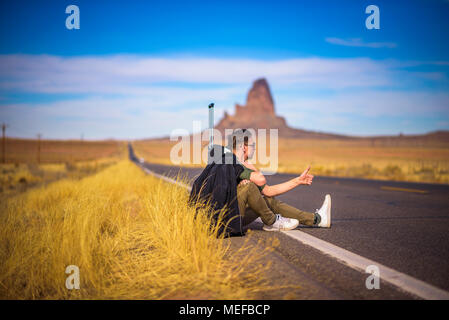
{"x":246,"y":174}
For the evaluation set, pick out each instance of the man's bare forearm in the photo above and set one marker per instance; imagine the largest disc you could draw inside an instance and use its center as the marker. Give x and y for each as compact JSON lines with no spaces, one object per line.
{"x":277,"y":189}
{"x":271,"y":191}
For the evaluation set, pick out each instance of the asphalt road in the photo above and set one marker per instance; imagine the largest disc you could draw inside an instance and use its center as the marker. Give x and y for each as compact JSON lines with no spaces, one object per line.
{"x":406,"y":230}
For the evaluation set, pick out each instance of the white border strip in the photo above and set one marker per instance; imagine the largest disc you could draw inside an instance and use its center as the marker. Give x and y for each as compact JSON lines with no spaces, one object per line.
{"x":400,"y":280}
{"x":166,"y":178}
{"x":396,"y":278}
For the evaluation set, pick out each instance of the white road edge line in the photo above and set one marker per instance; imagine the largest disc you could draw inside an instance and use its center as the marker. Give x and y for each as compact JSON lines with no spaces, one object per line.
{"x":401,"y":280}
{"x":165,"y":178}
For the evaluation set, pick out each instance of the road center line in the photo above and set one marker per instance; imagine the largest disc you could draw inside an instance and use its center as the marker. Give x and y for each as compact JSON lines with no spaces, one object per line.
{"x":403,"y":189}
{"x":401,"y":280}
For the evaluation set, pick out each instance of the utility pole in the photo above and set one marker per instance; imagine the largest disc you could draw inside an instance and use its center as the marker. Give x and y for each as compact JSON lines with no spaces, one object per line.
{"x":4,"y":126}
{"x":39,"y":148}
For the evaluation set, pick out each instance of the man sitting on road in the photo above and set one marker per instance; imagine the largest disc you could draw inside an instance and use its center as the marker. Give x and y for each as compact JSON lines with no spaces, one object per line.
{"x":257,"y":199}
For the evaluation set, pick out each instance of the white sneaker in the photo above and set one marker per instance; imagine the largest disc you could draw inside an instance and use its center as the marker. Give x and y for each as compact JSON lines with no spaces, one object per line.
{"x":282,"y":223}
{"x":325,"y":213}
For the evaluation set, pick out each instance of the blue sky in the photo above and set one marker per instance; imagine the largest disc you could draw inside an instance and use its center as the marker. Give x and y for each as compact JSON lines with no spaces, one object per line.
{"x":140,"y":69}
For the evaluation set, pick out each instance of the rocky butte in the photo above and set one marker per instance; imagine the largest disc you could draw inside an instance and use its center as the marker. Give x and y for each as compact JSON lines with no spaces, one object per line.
{"x":259,"y":113}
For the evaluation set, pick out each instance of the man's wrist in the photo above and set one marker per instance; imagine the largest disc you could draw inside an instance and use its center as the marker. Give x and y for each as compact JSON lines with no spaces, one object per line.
{"x":297,"y":181}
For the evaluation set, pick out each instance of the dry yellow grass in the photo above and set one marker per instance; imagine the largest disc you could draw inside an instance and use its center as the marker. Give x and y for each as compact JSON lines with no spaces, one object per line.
{"x":131,"y":235}
{"x":19,"y":177}
{"x":362,"y":159}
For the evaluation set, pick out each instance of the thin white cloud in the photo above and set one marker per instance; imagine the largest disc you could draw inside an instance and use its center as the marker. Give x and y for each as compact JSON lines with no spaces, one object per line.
{"x":124,"y":74}
{"x":140,"y":96}
{"x":141,"y":116}
{"x":358,"y":42}
{"x":372,"y":104}
{"x":98,"y":118}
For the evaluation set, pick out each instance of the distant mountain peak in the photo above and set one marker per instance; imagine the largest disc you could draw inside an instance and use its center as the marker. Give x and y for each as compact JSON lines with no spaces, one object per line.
{"x":259,"y":98}
{"x":259,"y":113}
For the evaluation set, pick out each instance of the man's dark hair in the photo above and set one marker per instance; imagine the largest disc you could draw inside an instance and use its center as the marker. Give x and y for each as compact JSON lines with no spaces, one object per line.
{"x":237,"y":137}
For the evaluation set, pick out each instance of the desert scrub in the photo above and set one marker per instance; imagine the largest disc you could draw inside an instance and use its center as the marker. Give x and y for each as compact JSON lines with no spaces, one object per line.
{"x":131,"y":235}
{"x":401,"y":160}
{"x":19,"y":177}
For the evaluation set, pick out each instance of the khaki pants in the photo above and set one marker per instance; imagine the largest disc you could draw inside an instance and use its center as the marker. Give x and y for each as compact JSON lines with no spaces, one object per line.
{"x":252,"y":204}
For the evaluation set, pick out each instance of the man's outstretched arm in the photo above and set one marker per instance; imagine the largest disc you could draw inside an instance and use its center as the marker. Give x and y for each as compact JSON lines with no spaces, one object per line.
{"x":271,"y":191}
